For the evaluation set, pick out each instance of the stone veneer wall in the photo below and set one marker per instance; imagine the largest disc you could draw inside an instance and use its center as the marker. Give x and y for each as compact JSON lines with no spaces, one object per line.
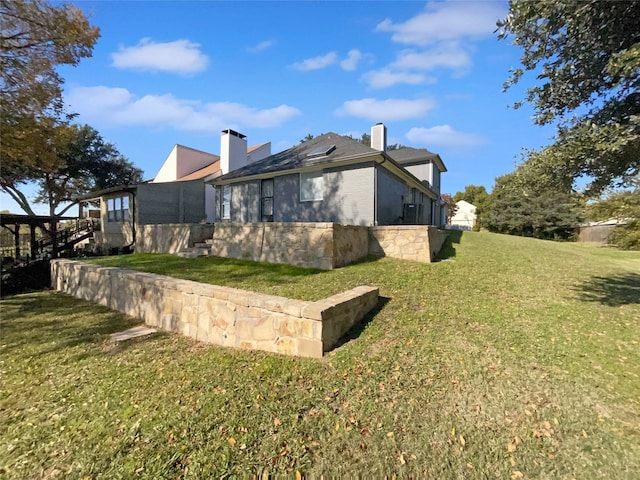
{"x":220,"y":315}
{"x":171,"y":237}
{"x":419,"y":243}
{"x":349,"y":244}
{"x":324,"y":245}
{"x":312,"y":245}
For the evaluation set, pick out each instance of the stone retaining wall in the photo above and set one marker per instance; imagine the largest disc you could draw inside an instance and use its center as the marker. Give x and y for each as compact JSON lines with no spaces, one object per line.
{"x":420,"y":243}
{"x":301,"y":244}
{"x":171,"y":237}
{"x":219,"y":315}
{"x":324,"y":245}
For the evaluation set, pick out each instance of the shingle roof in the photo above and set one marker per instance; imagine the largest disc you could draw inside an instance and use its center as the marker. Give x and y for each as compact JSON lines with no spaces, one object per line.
{"x":297,"y":156}
{"x":408,"y":155}
{"x":213,"y":167}
{"x":201,"y":172}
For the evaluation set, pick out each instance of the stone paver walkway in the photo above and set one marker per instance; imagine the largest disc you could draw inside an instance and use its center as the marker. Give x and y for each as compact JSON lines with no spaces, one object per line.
{"x":135,"y":332}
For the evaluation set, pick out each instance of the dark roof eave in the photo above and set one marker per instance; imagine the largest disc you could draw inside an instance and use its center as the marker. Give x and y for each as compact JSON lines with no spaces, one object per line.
{"x":99,"y":193}
{"x":403,"y":172}
{"x":381,"y":158}
{"x":346,"y":160}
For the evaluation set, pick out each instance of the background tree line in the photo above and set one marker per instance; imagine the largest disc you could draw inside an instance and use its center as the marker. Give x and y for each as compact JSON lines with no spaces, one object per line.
{"x":586,"y":59}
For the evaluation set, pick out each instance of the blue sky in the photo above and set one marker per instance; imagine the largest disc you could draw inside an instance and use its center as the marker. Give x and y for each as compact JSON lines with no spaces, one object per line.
{"x":179,"y":72}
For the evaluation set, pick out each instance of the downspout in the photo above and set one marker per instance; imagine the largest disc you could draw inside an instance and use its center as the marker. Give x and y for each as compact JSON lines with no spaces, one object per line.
{"x":133,"y":220}
{"x":375,"y":192}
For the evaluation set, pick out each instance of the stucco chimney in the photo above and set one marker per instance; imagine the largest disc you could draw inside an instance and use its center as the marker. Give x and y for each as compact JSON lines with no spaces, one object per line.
{"x":379,"y":137}
{"x":233,"y":150}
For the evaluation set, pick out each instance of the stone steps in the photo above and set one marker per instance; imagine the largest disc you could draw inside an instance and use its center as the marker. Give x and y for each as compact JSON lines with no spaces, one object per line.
{"x":198,"y":250}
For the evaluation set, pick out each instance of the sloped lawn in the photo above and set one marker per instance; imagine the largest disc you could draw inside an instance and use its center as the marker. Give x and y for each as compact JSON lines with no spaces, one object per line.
{"x":515,"y":358}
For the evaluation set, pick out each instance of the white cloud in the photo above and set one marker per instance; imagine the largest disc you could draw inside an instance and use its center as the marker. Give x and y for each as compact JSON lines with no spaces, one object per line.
{"x":119,"y":107}
{"x":351,"y":62}
{"x":443,"y":136}
{"x":316,"y":63}
{"x":387,"y":78}
{"x":446,"y":21}
{"x":261,"y":46}
{"x":392,"y":109}
{"x":445,"y":55}
{"x":181,"y":56}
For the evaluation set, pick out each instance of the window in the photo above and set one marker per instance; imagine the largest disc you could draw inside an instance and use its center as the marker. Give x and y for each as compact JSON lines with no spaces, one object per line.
{"x":311,"y":186}
{"x":225,"y":204}
{"x":118,"y":209}
{"x":266,"y":200}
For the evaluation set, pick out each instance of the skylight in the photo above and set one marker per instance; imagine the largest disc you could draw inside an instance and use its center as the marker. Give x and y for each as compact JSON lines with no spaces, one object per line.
{"x":321,"y":151}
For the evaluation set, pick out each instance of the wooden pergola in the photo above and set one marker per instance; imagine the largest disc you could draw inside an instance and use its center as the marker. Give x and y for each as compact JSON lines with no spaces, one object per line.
{"x":13,"y":222}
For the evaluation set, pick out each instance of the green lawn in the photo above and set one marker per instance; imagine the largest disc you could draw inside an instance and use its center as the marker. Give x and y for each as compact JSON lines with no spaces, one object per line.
{"x":516,"y":358}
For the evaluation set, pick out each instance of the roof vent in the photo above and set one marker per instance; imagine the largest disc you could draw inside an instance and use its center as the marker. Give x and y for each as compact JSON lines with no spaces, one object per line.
{"x":321,"y":151}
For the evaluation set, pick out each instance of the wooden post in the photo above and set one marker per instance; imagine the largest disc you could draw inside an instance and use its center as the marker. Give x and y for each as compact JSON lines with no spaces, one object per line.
{"x":16,"y":238}
{"x":54,"y":237}
{"x":32,"y":241}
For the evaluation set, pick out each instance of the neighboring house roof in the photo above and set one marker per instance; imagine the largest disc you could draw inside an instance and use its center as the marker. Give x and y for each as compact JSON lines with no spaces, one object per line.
{"x":466,"y":206}
{"x":602,"y":223}
{"x":255,"y":147}
{"x":326,"y":150}
{"x":408,"y":155}
{"x":202,"y":172}
{"x":213,"y":167}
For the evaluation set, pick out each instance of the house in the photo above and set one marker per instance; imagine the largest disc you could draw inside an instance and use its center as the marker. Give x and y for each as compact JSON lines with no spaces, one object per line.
{"x":126,"y":210}
{"x":464,"y":217}
{"x":186,"y":164}
{"x":177,"y":195}
{"x":599,"y":231}
{"x":333,"y":178}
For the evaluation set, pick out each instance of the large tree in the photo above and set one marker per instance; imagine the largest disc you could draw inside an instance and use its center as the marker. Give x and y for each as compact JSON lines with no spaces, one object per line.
{"x":73,"y":160}
{"x":586,"y":58}
{"x":535,"y":200}
{"x":35,"y":38}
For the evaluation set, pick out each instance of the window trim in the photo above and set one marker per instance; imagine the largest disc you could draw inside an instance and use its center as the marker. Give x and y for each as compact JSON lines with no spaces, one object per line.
{"x":317,"y":186}
{"x":117,"y":212}
{"x":264,"y":198}
{"x":225,"y":215}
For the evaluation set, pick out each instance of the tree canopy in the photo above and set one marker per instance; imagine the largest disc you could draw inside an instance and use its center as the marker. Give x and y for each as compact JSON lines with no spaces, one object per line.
{"x":74,"y":160}
{"x":535,"y":201}
{"x":451,"y":206}
{"x":35,"y":38}
{"x":586,"y":57}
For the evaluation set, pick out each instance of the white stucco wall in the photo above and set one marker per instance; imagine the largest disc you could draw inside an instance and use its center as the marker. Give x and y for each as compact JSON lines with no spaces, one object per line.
{"x":259,"y":153}
{"x":183,"y":161}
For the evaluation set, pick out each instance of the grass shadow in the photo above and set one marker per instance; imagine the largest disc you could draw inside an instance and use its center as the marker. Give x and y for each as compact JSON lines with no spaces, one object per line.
{"x":448,"y":250}
{"x":613,"y":291}
{"x":67,"y":321}
{"x":355,"y":331}
{"x":209,"y":269}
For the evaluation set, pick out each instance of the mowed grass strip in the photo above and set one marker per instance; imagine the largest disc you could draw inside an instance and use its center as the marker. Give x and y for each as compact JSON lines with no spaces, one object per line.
{"x":517,"y":359}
